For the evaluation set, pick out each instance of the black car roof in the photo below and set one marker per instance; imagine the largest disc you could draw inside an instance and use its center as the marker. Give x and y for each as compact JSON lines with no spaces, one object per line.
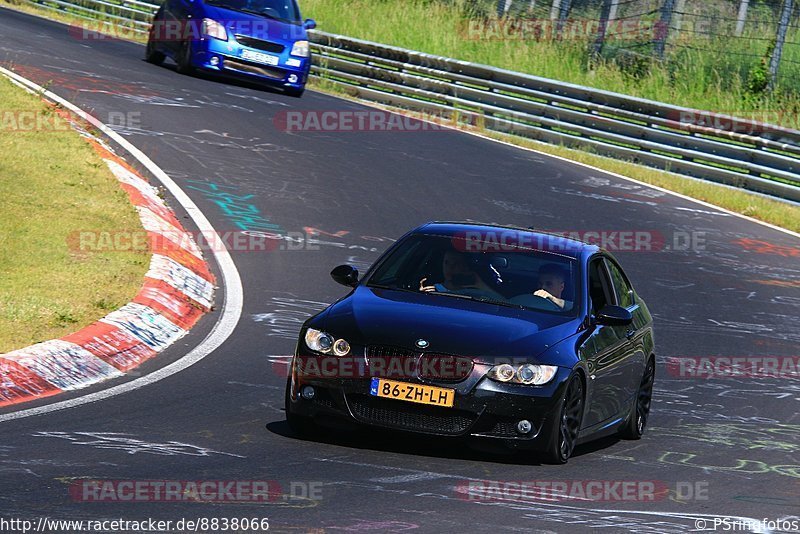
{"x":524,"y":237}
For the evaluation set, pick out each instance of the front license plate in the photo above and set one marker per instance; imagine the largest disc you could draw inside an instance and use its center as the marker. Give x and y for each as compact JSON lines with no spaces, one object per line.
{"x":418,"y":393}
{"x":258,"y":57}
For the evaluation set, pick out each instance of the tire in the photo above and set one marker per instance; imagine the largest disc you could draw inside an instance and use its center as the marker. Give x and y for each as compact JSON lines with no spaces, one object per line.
{"x":295,"y":93}
{"x":301,"y":426}
{"x":640,"y":410}
{"x":184,"y":59}
{"x":567,"y":423}
{"x":151,"y":55}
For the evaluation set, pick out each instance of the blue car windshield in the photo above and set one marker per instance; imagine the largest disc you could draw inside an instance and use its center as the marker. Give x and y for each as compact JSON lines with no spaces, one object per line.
{"x":507,"y":275}
{"x":283,"y":10}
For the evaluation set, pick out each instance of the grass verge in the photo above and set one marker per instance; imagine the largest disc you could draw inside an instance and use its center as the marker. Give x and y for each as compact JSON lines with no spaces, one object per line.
{"x":52,"y":185}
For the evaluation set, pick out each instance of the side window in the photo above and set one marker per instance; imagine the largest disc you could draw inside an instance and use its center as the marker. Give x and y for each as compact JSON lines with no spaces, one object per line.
{"x":622,"y":288}
{"x":599,"y":287}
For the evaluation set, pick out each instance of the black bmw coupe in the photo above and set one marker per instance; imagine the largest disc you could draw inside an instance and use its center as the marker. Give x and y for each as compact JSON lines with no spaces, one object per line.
{"x":472,"y":330}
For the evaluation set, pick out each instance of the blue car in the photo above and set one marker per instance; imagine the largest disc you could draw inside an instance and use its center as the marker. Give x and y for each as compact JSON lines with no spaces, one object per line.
{"x":532,"y":339}
{"x":264,"y":41}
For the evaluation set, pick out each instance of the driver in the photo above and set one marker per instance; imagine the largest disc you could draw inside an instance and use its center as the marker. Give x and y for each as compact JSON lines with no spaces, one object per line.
{"x":551,"y":284}
{"x":458,"y":275}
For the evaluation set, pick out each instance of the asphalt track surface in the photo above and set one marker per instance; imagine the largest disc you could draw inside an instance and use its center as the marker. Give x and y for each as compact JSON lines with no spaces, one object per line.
{"x":735,"y":440}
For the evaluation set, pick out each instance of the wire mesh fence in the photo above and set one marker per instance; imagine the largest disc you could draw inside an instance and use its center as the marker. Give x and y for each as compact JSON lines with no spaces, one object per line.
{"x":756,"y":41}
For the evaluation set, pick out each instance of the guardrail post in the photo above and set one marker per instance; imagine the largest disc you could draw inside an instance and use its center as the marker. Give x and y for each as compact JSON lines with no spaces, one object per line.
{"x":742,"y":18}
{"x":677,"y":17}
{"x":780,"y":39}
{"x":612,"y":14}
{"x":503,"y":6}
{"x":662,"y":28}
{"x":555,"y":10}
{"x":605,"y":12}
{"x":566,"y":5}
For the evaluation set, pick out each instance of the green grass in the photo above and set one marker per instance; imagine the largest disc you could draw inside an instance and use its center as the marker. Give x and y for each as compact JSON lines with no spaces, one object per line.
{"x":53,"y":184}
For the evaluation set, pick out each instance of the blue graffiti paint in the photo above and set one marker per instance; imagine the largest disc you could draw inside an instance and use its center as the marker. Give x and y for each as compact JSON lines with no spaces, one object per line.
{"x":236,"y":208}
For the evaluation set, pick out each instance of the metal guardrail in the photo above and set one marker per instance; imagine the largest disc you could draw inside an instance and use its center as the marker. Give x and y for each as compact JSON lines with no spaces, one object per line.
{"x":741,"y":153}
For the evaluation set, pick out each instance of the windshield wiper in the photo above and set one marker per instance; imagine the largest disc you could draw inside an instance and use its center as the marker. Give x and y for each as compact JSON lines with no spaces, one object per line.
{"x":446,"y":294}
{"x":391,"y":288}
{"x":256,"y":12}
{"x":499,"y":302}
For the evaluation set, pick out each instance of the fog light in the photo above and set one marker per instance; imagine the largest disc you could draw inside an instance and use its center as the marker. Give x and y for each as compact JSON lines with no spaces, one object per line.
{"x":307,"y":392}
{"x":214,"y":60}
{"x":293,"y":78}
{"x":524,"y":426}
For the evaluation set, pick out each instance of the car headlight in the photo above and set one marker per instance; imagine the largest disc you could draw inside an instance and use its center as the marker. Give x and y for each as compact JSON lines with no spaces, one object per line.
{"x":214,"y":29}
{"x":300,"y":49}
{"x":528,"y":374}
{"x":323,"y":342}
{"x":341,"y":347}
{"x":502,"y":373}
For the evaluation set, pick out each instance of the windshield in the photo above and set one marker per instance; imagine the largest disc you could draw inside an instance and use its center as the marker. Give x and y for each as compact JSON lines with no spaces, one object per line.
{"x":448,"y":267}
{"x":284,"y":10}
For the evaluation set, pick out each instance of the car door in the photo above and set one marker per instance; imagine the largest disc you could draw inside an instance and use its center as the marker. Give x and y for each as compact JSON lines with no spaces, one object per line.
{"x":635,"y":359}
{"x":608,"y":365}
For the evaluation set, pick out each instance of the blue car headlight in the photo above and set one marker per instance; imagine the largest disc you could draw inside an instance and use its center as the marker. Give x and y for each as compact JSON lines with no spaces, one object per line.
{"x":527,"y":374}
{"x":300,"y":49}
{"x":212,"y":28}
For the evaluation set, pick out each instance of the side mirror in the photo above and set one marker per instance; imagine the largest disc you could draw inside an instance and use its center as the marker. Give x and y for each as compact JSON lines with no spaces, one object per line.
{"x":347,"y":275}
{"x":614,"y":316}
{"x":310,"y":24}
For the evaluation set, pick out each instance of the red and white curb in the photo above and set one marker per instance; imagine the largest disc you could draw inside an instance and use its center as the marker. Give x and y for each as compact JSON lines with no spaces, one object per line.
{"x":177,"y":291}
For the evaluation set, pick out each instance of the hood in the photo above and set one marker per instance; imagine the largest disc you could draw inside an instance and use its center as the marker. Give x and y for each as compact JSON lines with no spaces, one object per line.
{"x":255,"y":25}
{"x":371,"y":316}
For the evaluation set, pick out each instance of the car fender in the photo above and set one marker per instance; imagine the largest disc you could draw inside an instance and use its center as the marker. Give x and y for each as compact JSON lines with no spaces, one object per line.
{"x":569,"y":353}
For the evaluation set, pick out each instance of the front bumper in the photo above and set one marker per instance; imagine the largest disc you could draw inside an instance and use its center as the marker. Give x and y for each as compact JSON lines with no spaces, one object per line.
{"x":482,"y":408}
{"x":224,"y":57}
